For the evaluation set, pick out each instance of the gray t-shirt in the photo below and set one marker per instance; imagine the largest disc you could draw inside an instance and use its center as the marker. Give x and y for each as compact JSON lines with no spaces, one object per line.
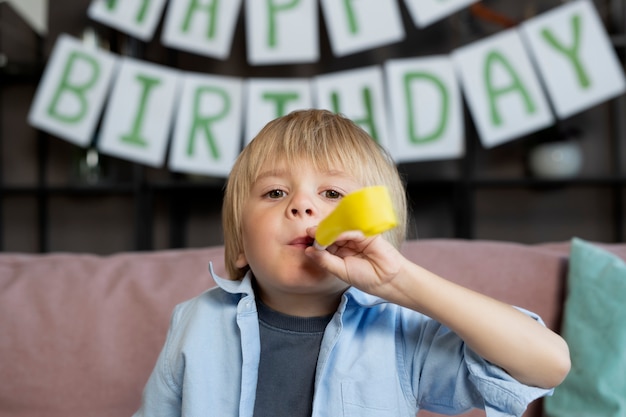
{"x":289,"y":349}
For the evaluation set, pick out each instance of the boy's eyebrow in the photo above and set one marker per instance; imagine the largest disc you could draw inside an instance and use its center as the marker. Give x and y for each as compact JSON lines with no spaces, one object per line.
{"x":281,"y":172}
{"x":271,"y":173}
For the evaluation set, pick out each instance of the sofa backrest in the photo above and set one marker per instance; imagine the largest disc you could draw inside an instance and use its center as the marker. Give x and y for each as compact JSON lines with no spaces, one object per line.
{"x":79,"y":334}
{"x":528,"y":276}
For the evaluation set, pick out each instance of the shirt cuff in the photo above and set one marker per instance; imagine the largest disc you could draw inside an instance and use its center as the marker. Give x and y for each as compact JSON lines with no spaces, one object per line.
{"x":504,"y":396}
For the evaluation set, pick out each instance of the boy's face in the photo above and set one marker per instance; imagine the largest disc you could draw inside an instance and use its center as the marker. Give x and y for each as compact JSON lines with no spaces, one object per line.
{"x":283,"y":203}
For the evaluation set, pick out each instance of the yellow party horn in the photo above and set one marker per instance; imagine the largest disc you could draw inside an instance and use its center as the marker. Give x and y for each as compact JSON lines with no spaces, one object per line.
{"x":369,"y":210}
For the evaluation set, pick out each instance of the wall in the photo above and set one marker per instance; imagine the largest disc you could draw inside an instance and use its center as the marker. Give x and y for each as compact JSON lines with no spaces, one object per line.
{"x":488,"y":194}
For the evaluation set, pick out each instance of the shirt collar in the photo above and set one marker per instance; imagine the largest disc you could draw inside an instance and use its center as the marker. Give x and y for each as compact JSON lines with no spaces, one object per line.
{"x":244,"y":286}
{"x":362,"y":298}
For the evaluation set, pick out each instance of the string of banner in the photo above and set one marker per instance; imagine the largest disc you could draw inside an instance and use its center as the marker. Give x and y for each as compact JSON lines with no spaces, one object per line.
{"x":515,"y":82}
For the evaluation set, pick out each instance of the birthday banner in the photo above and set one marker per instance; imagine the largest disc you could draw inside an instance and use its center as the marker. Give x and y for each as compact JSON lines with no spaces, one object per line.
{"x":516,"y":82}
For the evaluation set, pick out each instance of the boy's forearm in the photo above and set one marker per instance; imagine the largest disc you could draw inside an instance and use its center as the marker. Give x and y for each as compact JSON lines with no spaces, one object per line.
{"x":503,"y":335}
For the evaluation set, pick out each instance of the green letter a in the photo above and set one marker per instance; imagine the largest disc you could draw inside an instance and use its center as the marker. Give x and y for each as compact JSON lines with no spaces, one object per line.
{"x":494,"y":93}
{"x":210,"y":8}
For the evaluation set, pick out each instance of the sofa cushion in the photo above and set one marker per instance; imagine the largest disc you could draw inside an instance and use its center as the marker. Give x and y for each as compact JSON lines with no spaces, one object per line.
{"x":594,"y":329}
{"x":527,"y":276}
{"x":80,"y":333}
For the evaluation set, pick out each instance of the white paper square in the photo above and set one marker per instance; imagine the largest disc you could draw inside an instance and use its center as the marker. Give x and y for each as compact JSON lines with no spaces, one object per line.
{"x":426,"y":12}
{"x":355,"y":26}
{"x":282,"y":35}
{"x":72,"y":112}
{"x":138,"y":18}
{"x":521,"y":110}
{"x":207,"y":135}
{"x":601,"y":76}
{"x":207,"y":32}
{"x":426,"y":109}
{"x":125,"y":114}
{"x":269,"y":98}
{"x":353,"y":88}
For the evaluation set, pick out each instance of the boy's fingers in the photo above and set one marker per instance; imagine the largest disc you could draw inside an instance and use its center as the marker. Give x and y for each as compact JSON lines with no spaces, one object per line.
{"x":327,"y":261}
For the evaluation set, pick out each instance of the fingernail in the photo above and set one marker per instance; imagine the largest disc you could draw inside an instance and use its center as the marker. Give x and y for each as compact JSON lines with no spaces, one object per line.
{"x":318,"y":246}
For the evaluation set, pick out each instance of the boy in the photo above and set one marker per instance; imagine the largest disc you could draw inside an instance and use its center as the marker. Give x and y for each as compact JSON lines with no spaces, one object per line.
{"x":353,"y":330}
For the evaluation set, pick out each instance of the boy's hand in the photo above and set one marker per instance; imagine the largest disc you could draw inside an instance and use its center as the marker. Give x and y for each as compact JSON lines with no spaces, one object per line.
{"x":365,"y":263}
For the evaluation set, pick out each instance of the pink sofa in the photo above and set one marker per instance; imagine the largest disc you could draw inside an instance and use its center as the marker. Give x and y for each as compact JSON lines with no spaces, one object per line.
{"x":79,"y":334}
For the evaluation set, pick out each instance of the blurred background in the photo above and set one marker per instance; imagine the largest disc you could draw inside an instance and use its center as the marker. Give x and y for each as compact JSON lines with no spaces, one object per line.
{"x":56,"y":196}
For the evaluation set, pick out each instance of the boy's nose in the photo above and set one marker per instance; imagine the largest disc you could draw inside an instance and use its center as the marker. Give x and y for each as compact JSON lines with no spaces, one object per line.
{"x":295,"y":211}
{"x":301,"y":205}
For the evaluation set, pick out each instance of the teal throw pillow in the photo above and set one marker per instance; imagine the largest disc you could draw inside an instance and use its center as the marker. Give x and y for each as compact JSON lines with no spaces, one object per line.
{"x":594,"y":326}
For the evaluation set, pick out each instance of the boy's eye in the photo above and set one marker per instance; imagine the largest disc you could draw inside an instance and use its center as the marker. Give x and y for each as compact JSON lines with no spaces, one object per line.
{"x":332,"y":194}
{"x":276,"y":194}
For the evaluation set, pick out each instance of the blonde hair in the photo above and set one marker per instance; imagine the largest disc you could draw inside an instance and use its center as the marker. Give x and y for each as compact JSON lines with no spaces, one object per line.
{"x":322,"y":138}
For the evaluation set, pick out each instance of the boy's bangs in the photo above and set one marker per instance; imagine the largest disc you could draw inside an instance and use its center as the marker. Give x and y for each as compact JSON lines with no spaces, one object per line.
{"x":323,"y":152}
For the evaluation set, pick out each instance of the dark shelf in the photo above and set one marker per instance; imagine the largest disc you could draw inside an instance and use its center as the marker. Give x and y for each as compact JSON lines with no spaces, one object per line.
{"x":550,"y":183}
{"x":71,"y":190}
{"x":20,"y":73}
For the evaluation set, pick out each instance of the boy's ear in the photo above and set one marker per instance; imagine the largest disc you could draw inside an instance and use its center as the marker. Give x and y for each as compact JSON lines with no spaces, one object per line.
{"x":241,"y":261}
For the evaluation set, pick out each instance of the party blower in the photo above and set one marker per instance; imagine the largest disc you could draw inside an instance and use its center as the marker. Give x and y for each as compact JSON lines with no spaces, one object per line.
{"x":368,"y":209}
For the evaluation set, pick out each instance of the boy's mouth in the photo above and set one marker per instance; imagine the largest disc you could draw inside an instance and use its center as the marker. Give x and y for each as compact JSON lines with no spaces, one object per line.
{"x":304,"y":241}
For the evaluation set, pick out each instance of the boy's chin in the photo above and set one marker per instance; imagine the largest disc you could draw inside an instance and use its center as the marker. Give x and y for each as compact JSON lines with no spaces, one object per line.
{"x":315,"y":278}
{"x":317,"y":273}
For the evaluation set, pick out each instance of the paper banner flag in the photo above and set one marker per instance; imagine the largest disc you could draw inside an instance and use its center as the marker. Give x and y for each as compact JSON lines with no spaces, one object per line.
{"x":282,"y":32}
{"x":574,"y":56}
{"x":420,"y":96}
{"x":426,"y":109}
{"x":72,"y":91}
{"x":138,"y":18}
{"x":34,"y":12}
{"x":502,"y":90}
{"x":426,"y":12}
{"x":207,"y":136}
{"x":138,"y":117}
{"x":360,"y":95}
{"x":203,"y":29}
{"x":267,"y":99}
{"x":355,"y":26}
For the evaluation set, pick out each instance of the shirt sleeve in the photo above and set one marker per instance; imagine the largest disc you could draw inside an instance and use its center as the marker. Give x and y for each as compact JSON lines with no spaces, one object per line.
{"x":502,"y":394}
{"x":161,"y":395}
{"x":449,"y":378}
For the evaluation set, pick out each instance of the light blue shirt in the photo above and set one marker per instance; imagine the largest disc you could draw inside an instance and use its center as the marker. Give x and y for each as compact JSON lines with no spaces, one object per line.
{"x":376,"y":359}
